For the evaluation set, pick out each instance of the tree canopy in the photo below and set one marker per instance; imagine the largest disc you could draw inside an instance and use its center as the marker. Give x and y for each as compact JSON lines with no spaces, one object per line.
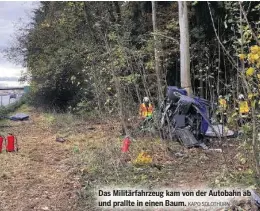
{"x":87,"y":55}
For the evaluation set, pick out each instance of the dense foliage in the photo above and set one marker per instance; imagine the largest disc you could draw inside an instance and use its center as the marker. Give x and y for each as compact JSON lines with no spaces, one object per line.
{"x":100,"y":55}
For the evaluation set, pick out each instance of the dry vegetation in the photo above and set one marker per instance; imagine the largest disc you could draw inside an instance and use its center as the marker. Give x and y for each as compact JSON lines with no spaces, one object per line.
{"x":49,"y":175}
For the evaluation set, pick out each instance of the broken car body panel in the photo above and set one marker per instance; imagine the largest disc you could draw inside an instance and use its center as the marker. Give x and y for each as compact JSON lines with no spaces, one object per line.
{"x":189,"y":118}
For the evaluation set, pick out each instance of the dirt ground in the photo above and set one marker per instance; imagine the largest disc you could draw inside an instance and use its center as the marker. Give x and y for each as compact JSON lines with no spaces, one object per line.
{"x":40,"y":176}
{"x":49,"y":175}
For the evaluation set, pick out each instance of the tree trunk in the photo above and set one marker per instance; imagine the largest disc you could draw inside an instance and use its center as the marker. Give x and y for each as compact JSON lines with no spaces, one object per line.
{"x":184,"y":47}
{"x":201,"y":91}
{"x":157,"y":67}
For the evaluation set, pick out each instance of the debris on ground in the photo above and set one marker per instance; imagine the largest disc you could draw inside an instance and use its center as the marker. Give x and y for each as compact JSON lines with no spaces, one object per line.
{"x":179,"y":154}
{"x":216,"y":150}
{"x":19,"y":117}
{"x":60,"y":139}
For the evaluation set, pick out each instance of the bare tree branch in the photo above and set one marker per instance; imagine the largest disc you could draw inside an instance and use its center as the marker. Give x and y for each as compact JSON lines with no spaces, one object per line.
{"x":221,"y":44}
{"x":170,"y":38}
{"x":245,"y":16}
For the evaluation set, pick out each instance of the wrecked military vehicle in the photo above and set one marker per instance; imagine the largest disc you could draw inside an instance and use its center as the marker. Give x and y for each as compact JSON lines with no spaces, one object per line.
{"x":189,"y":119}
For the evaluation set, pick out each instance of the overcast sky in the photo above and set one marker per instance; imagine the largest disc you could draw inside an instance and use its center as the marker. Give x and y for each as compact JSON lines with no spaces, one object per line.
{"x":12,"y":15}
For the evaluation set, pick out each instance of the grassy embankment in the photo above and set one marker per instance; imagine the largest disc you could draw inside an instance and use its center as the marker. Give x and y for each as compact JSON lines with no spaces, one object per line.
{"x":63,"y":175}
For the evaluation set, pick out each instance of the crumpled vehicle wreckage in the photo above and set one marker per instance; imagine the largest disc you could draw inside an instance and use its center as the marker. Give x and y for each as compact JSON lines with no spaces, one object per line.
{"x":189,"y":119}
